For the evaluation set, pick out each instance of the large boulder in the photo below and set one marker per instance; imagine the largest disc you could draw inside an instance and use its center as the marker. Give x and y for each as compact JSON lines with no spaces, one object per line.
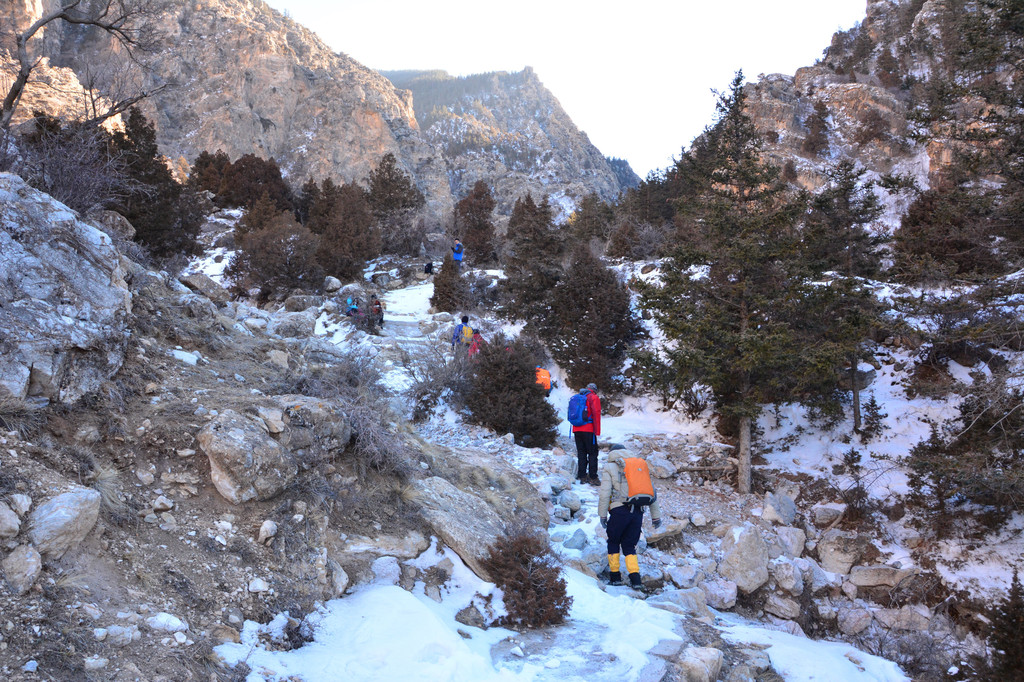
{"x":463,"y":521}
{"x":839,"y":550}
{"x":245,"y":462}
{"x":744,"y":558}
{"x":203,"y":284}
{"x":64,"y":303}
{"x":508,"y":492}
{"x":700,"y":664}
{"x":61,"y":523}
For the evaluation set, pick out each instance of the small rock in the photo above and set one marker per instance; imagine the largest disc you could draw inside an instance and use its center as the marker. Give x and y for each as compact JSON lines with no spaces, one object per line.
{"x":577,"y":541}
{"x":721,"y":594}
{"x":258,"y":585}
{"x":22,"y":568}
{"x":783,"y":607}
{"x":699,"y":549}
{"x":268,"y":529}
{"x":162,"y":504}
{"x":701,"y":664}
{"x":145,"y":477}
{"x":570,"y":501}
{"x":62,"y":522}
{"x":684,"y":576}
{"x":166,"y":622}
{"x":698,"y":519}
{"x":122,"y":635}
{"x":20,"y":504}
{"x":94,"y":663}
{"x":779,"y":508}
{"x":10,"y":524}
{"x":854,"y":621}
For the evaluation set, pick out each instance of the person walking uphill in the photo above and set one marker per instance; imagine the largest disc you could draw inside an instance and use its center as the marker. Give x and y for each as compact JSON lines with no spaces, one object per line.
{"x":586,"y":433}
{"x":626,"y":489}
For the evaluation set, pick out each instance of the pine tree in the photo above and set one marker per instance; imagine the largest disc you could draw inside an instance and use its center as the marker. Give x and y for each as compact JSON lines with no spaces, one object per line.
{"x":590,"y":322}
{"x":531,"y":259}
{"x":1007,"y":634}
{"x":591,"y":220}
{"x":257,"y":216}
{"x":731,"y":317}
{"x":393,"y":199}
{"x":451,"y":292}
{"x":208,"y":171}
{"x":165,"y":215}
{"x":817,"y":130}
{"x":473,"y":222}
{"x":280,"y":255}
{"x":504,"y":395}
{"x":348,"y":234}
{"x":837,"y":236}
{"x":245,"y":180}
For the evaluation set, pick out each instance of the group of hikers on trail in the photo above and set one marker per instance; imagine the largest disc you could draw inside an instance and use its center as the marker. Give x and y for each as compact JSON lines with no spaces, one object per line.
{"x":377,"y":309}
{"x":625,"y":483}
{"x":625,"y":486}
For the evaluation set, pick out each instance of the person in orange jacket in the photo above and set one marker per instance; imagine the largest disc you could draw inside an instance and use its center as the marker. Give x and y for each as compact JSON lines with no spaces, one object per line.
{"x":586,"y":439}
{"x":544,"y":379}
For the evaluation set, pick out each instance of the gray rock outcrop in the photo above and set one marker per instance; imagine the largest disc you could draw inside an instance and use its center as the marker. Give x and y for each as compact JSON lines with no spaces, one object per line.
{"x":245,"y":462}
{"x":462,"y":520}
{"x":744,"y":558}
{"x":21,"y":568}
{"x":64,"y":304}
{"x":59,"y":524}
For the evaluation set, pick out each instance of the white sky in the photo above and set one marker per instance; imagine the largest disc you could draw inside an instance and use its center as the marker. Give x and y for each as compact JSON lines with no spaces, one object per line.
{"x":635,"y":76}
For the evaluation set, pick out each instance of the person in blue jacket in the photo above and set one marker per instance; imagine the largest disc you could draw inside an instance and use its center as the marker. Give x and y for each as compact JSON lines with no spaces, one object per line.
{"x":457,"y":252}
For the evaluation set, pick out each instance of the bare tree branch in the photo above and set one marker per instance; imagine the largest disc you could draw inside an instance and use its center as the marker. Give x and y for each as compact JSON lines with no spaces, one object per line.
{"x":128,"y":22}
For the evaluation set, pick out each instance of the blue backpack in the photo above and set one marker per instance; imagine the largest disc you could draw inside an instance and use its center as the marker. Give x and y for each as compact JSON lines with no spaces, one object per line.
{"x":578,"y":410}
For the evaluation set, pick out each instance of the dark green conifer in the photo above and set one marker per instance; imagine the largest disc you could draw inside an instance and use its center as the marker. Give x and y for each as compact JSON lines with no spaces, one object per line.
{"x":451,"y":292}
{"x":474,"y":224}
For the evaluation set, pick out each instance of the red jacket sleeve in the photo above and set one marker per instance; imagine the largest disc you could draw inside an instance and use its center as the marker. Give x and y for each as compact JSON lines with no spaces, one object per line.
{"x":594,"y":410}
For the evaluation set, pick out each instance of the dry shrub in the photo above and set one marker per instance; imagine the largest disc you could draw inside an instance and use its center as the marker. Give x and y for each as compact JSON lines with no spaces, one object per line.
{"x":18,"y":416}
{"x":436,"y":376}
{"x":522,"y":564}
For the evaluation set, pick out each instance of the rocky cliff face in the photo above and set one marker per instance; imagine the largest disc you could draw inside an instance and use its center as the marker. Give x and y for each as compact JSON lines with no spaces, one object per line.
{"x":240,"y":77}
{"x":509,"y":130}
{"x":873,"y":83}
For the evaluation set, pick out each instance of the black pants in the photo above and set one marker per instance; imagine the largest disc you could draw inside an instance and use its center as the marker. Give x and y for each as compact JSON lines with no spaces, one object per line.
{"x":624,"y":529}
{"x":586,"y":454}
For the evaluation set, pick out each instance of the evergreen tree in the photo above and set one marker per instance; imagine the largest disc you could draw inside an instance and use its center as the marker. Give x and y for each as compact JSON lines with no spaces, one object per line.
{"x":590,"y":322}
{"x":208,"y":171}
{"x":393,"y":199}
{"x":281,"y":255}
{"x":836,"y":236}
{"x":451,"y":292}
{"x":257,"y":216}
{"x":309,"y":194}
{"x":728,"y":299}
{"x":817,"y":130}
{"x":473,"y":222}
{"x":347,"y":229}
{"x":504,"y":395}
{"x":592,"y":220}
{"x":248,"y":178}
{"x":837,"y":239}
{"x":1007,"y":634}
{"x":531,"y":259}
{"x":166,"y":216}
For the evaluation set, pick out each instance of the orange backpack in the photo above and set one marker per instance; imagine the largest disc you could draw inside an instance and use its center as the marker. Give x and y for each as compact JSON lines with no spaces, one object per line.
{"x":639,"y":489}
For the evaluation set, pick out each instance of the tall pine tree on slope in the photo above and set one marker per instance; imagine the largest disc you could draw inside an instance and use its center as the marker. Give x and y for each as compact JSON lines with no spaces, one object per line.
{"x":590,"y":322}
{"x":531,"y":259}
{"x":730,"y":300}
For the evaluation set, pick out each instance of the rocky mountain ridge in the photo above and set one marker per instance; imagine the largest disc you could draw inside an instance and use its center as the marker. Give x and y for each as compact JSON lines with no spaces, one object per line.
{"x":510,"y":131}
{"x":239,"y":76}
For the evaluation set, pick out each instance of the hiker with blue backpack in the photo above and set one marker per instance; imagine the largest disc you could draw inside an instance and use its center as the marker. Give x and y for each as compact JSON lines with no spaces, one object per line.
{"x":585,"y":417}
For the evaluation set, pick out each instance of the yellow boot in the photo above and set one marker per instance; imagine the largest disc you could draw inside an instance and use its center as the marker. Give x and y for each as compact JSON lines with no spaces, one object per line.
{"x":614,"y":576}
{"x":633,"y":567}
